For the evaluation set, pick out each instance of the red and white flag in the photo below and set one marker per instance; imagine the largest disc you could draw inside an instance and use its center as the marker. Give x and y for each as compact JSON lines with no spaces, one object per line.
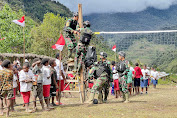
{"x":2,"y":39}
{"x":60,"y":43}
{"x":114,"y":48}
{"x":20,"y":22}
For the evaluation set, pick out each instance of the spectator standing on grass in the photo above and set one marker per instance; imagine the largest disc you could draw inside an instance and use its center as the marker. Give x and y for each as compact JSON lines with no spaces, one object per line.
{"x":54,"y":85}
{"x":26,"y":78}
{"x":129,"y":80}
{"x":15,"y":85}
{"x":137,"y":76}
{"x":60,"y":78}
{"x":155,"y":77}
{"x":116,"y":80}
{"x":144,"y":81}
{"x":6,"y":86}
{"x":37,"y":85}
{"x":46,"y":81}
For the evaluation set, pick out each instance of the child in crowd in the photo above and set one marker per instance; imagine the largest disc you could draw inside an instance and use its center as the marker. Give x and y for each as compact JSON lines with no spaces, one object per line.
{"x":37,"y":85}
{"x":60,"y":78}
{"x":54,"y":85}
{"x":15,"y":85}
{"x":46,"y":81}
{"x":144,"y":81}
{"x":116,"y":80}
{"x":129,"y":80}
{"x":26,"y":78}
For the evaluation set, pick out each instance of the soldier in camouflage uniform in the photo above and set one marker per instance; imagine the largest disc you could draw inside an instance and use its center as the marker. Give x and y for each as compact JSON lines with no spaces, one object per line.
{"x":102,"y":71}
{"x":123,"y":70}
{"x":69,"y":30}
{"x":81,"y":49}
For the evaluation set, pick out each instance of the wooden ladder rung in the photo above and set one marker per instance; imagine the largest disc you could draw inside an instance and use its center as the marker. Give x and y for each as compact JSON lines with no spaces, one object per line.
{"x":71,"y":91}
{"x":72,"y":80}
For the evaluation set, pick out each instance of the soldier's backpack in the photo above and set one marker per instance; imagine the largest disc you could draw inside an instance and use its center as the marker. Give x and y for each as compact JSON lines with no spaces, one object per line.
{"x":86,"y":37}
{"x":91,"y":56}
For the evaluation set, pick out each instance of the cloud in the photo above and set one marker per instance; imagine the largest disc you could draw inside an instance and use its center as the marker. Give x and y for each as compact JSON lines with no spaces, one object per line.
{"x":115,"y":6}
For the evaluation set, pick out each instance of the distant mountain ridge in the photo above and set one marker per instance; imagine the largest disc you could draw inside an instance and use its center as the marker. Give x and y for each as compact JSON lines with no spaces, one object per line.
{"x":150,"y":19}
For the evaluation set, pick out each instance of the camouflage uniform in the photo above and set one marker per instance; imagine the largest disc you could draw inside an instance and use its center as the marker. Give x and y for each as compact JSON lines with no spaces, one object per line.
{"x":123,"y":75}
{"x":71,"y":26}
{"x":81,"y":50}
{"x":101,"y":79}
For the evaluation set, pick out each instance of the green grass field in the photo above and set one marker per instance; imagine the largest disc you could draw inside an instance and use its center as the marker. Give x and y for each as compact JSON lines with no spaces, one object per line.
{"x":158,"y":103}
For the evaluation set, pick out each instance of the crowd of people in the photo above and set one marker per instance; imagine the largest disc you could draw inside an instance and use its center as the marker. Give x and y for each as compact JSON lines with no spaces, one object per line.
{"x":45,"y":79}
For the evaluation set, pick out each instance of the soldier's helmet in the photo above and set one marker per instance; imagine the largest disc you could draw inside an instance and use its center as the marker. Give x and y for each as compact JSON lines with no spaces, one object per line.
{"x":75,"y":14}
{"x":122,"y":53}
{"x":103,"y":54}
{"x":86,"y":24}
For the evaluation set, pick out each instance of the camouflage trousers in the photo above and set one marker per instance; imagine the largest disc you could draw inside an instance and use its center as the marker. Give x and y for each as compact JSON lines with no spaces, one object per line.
{"x":106,"y":90}
{"x":70,"y":42}
{"x":81,"y":51}
{"x":123,"y":84}
{"x":98,"y":85}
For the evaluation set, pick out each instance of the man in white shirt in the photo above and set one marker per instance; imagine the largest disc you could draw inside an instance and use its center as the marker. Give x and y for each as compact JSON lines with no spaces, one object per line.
{"x":155,"y":77}
{"x":144,"y":81}
{"x":26,"y":77}
{"x":60,"y":78}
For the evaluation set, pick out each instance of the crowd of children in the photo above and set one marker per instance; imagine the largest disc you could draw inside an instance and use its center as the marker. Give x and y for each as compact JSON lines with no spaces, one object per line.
{"x":137,"y":78}
{"x":43,"y":78}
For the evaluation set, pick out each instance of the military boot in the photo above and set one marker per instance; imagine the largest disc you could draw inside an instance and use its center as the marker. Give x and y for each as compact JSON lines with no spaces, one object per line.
{"x":126,"y":98}
{"x":123,"y":94}
{"x":91,"y":97}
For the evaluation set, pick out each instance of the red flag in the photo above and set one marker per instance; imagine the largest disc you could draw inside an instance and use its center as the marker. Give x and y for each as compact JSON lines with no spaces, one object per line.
{"x":60,"y":43}
{"x":20,"y":22}
{"x":2,"y":39}
{"x":114,"y":48}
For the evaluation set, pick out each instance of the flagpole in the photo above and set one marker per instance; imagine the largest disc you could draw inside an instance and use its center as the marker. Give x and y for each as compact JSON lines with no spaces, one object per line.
{"x":60,"y":75}
{"x":24,"y":43}
{"x":115,"y":56}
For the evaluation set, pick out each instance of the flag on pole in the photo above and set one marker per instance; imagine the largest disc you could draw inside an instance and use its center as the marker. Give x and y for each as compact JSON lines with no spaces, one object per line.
{"x":114,"y":48}
{"x":2,"y":39}
{"x":60,"y":43}
{"x":20,"y":22}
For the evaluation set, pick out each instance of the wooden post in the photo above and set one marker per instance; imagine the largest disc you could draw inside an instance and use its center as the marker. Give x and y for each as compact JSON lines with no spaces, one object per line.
{"x":82,"y":66}
{"x":24,"y":44}
{"x":80,"y":16}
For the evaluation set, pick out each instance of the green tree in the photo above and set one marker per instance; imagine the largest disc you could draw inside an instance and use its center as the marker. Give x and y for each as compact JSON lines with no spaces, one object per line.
{"x":46,"y":35}
{"x":12,"y":32}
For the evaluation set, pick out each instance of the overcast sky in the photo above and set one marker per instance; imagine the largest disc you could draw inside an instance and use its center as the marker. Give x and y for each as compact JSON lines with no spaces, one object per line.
{"x":114,"y":6}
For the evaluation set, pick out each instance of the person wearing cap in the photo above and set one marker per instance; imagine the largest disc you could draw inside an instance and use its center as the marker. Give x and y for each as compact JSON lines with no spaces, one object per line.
{"x":102,"y":71}
{"x":37,"y":85}
{"x":81,"y":49}
{"x":6,"y":85}
{"x":123,"y":69}
{"x":69,"y":30}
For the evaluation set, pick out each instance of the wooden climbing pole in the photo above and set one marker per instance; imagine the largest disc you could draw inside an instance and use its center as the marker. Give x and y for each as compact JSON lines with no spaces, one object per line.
{"x":82,"y":67}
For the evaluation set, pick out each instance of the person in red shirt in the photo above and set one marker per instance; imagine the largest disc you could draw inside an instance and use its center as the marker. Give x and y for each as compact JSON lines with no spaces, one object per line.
{"x":137,"y":76}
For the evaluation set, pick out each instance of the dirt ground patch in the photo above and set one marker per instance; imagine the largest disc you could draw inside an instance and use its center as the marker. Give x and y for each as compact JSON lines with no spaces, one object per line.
{"x":158,"y":103}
